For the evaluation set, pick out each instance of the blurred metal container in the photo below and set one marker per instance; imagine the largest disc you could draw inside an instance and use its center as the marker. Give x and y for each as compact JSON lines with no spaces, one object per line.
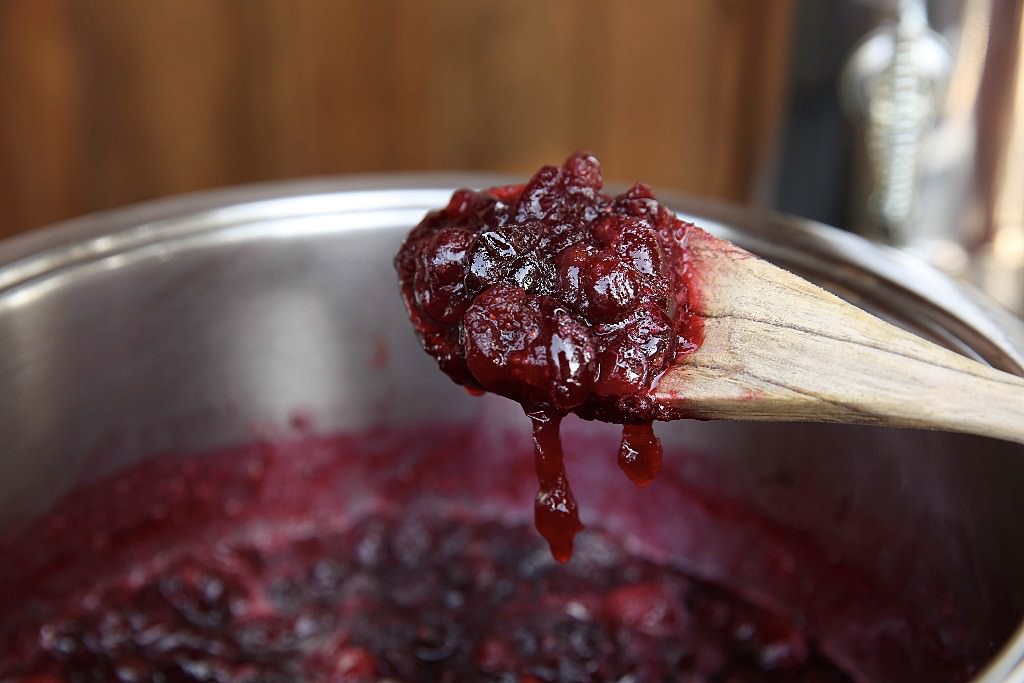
{"x":174,"y":326}
{"x":905,"y":123}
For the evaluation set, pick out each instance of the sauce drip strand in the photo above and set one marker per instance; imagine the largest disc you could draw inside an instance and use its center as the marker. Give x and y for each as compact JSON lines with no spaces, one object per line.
{"x":640,"y":453}
{"x":562,"y":298}
{"x":555,"y":512}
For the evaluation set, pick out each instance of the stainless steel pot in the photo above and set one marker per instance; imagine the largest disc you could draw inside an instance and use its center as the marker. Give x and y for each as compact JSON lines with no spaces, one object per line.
{"x":178,"y":324}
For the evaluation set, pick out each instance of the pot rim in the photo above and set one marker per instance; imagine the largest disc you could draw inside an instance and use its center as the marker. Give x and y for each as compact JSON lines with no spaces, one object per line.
{"x":34,"y":255}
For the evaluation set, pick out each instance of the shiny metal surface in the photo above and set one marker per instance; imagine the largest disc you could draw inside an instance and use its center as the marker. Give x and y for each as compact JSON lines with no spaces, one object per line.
{"x":188,"y":323}
{"x":892,"y":87}
{"x":905,"y":122}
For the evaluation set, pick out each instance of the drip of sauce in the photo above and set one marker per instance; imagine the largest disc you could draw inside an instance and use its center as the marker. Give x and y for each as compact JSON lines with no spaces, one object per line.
{"x":562,"y":298}
{"x":555,"y":513}
{"x":640,"y":453}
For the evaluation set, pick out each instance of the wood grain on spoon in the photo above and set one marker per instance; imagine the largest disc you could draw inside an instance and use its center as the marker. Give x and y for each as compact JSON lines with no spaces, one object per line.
{"x":778,"y":348}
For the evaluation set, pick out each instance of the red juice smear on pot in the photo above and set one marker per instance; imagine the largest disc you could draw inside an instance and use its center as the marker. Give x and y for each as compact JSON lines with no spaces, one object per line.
{"x":560,"y":297}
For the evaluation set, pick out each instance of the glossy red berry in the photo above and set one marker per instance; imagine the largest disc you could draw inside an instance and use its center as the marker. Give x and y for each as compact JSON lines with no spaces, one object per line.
{"x":541,"y":287}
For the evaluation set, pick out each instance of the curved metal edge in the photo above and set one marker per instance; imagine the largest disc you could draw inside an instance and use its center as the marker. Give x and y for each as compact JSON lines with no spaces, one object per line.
{"x":96,"y":235}
{"x":36,"y":254}
{"x":1008,"y":666}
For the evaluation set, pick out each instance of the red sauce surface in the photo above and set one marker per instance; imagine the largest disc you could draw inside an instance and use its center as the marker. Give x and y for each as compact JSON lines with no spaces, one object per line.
{"x":562,"y":298}
{"x":389,"y":556}
{"x":413,"y":600}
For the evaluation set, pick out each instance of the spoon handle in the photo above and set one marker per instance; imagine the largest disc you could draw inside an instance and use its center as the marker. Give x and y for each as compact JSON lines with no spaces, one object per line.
{"x":778,"y":348}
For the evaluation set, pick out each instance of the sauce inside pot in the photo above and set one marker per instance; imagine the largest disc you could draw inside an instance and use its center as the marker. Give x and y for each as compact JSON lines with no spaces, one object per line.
{"x":374,"y":557}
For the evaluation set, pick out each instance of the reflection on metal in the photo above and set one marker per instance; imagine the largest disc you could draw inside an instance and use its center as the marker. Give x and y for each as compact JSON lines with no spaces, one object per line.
{"x":1000,"y":266}
{"x":892,"y":86}
{"x":920,"y":143}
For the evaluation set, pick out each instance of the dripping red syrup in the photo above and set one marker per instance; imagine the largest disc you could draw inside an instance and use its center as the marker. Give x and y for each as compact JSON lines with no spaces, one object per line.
{"x":556,"y":514}
{"x":564,"y":299}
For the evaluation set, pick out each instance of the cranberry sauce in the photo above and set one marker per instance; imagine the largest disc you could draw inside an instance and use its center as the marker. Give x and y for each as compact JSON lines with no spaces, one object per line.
{"x":383,"y":594}
{"x":562,"y":298}
{"x":413,"y":600}
{"x":396,"y":556}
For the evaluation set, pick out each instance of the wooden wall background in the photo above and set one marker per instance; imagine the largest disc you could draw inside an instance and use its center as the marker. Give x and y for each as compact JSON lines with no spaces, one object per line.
{"x":106,"y":102}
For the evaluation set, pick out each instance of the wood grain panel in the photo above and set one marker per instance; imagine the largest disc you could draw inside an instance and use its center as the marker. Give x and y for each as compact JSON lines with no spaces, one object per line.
{"x":105,"y":102}
{"x":41,"y":153}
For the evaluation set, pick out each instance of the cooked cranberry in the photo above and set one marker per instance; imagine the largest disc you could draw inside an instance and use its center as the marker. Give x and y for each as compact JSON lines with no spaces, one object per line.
{"x":438,"y":284}
{"x":505,"y":348}
{"x":571,"y":354}
{"x":571,"y":264}
{"x":640,"y":245}
{"x":599,"y":258}
{"x":612,"y":288}
{"x":635,"y":351}
{"x":652,"y":608}
{"x":495,"y":252}
{"x":554,"y":294}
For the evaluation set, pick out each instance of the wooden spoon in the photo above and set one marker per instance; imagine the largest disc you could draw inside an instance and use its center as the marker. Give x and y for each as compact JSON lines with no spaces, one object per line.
{"x":778,"y":348}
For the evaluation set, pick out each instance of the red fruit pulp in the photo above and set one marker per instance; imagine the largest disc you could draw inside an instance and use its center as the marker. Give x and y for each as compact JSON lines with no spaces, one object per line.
{"x":560,"y":297}
{"x":262,"y":563}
